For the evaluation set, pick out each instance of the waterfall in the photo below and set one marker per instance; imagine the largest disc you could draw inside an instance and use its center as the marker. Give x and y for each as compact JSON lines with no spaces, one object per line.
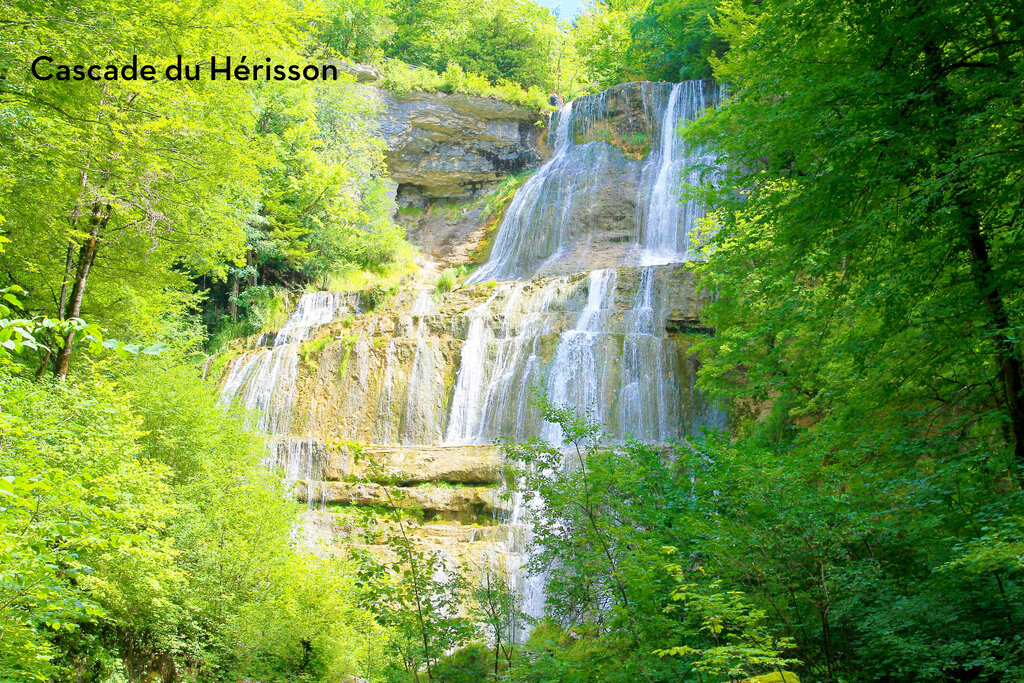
{"x":549,"y":226}
{"x":536,"y":201}
{"x":612,"y":356}
{"x":421,"y":421}
{"x":300,"y":460}
{"x":265,"y":382}
{"x":669,"y":223}
{"x":501,"y":362}
{"x":577,"y":373}
{"x":589,"y":263}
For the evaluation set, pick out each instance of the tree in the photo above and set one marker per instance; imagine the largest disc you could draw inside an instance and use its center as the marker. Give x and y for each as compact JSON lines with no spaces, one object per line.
{"x":499,"y":610}
{"x":151,"y":179}
{"x":356,"y":28}
{"x":603,"y":515}
{"x":867,"y":261}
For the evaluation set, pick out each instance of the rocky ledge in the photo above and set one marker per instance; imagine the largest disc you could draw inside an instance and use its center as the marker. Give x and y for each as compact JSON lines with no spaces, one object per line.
{"x":451,"y":146}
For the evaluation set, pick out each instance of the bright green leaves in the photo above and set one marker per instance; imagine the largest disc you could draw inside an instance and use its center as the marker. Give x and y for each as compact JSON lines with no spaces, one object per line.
{"x":739,"y":643}
{"x":46,"y":336}
{"x":136,"y":517}
{"x":843,"y":270}
{"x":603,"y":516}
{"x":58,"y":513}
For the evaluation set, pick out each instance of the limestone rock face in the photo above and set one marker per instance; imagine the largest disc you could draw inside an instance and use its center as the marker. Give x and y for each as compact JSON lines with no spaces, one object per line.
{"x":451,"y":146}
{"x":445,"y":151}
{"x":408,"y":465}
{"x":463,"y":503}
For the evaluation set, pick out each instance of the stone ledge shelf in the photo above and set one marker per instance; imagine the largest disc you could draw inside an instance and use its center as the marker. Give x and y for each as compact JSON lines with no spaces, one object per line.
{"x":408,"y":465}
{"x":457,"y":503}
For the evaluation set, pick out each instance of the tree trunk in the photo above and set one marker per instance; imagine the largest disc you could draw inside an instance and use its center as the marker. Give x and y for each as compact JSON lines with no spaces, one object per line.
{"x":1011,"y":369}
{"x":86,"y":256}
{"x":233,"y":299}
{"x":69,"y":264}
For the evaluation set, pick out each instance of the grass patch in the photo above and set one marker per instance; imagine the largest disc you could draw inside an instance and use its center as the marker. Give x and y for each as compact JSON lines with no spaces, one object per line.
{"x":312,"y":348}
{"x":392,"y":274}
{"x":449,"y":278}
{"x":444,"y":485}
{"x":347,"y":342}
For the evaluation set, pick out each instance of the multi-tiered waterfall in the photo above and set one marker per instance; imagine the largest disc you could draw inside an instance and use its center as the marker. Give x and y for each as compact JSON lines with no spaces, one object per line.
{"x":586,"y":296}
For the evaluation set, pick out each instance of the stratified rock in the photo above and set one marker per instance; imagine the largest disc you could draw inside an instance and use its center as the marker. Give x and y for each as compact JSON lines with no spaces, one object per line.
{"x":408,"y":465}
{"x":446,"y":150}
{"x":462,"y":502}
{"x":450,"y":146}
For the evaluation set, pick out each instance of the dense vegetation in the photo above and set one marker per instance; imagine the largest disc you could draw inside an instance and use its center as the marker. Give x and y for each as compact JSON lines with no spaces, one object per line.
{"x":862,"y":522}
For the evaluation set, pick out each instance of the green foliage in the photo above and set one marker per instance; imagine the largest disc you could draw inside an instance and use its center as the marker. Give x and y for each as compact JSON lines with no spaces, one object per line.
{"x":355,"y":28}
{"x":46,"y":336}
{"x":416,"y":597}
{"x":608,"y":512}
{"x":742,"y":643}
{"x":659,"y":40}
{"x":868,"y":285}
{"x":120,"y":199}
{"x":499,"y":609}
{"x":70,"y":492}
{"x":141,"y":533}
{"x":470,"y":664}
{"x":448,"y":278}
{"x":739,"y":558}
{"x":509,"y":42}
{"x":150,"y":183}
{"x":313,"y":348}
{"x":402,"y":79}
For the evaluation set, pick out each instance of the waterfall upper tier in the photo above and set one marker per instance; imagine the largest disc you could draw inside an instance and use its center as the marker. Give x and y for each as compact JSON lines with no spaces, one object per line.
{"x":610,"y":194}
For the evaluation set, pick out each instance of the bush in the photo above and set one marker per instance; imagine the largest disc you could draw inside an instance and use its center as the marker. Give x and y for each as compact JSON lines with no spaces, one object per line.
{"x":402,"y":79}
{"x":450,"y":276}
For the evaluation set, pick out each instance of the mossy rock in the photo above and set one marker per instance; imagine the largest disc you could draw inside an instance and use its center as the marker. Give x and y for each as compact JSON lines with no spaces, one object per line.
{"x":775,"y":677}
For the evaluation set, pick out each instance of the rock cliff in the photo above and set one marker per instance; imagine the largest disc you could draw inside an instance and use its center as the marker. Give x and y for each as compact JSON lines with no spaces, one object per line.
{"x":446,"y":151}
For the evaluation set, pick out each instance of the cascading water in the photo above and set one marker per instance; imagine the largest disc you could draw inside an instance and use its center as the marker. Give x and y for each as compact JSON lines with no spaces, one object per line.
{"x":577,"y":373}
{"x":616,"y":359}
{"x":265,"y":382}
{"x":590,"y":262}
{"x":420,"y":422}
{"x":669,"y":223}
{"x":549,"y":227}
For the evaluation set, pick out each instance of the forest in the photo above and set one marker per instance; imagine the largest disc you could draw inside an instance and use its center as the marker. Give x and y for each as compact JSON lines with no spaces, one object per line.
{"x":826,"y":483}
